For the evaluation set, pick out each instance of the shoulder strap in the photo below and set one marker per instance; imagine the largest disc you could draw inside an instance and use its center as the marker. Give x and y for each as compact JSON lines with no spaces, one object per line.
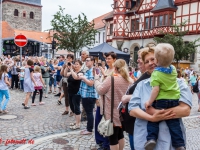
{"x":112,"y":97}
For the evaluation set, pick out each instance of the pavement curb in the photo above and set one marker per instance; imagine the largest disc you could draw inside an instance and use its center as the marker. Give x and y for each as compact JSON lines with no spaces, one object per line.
{"x":40,"y":140}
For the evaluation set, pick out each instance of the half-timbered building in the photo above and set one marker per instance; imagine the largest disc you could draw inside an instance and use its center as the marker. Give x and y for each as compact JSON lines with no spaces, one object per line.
{"x":134,"y":23}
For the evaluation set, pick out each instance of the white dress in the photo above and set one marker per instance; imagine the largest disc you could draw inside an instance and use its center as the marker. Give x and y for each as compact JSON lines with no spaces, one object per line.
{"x":28,"y":83}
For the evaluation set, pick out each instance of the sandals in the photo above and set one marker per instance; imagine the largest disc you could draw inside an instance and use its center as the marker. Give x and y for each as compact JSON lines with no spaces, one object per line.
{"x":33,"y":104}
{"x":49,"y":92}
{"x":86,"y":132}
{"x":75,"y":127}
{"x":41,"y":103}
{"x":72,"y":124}
{"x":71,"y":114}
{"x":54,"y":92}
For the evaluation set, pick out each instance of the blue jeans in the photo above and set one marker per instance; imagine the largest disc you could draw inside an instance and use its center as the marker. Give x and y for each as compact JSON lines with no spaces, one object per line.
{"x":131,"y":141}
{"x":22,"y":84}
{"x":52,"y":81}
{"x":99,"y":138}
{"x":88,"y":105}
{"x":2,"y":93}
{"x":173,"y":124}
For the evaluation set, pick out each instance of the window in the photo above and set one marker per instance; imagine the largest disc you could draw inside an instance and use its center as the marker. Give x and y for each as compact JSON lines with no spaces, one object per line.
{"x":160,"y":21}
{"x":24,"y":14}
{"x":99,"y":37}
{"x":103,"y":36}
{"x":31,"y":15}
{"x":147,"y":23}
{"x":170,"y":19}
{"x":16,"y":13}
{"x":155,"y":21}
{"x":111,"y":29}
{"x":116,"y":4}
{"x":135,"y":25}
{"x":166,"y":20}
{"x":151,"y":22}
{"x":127,"y":4}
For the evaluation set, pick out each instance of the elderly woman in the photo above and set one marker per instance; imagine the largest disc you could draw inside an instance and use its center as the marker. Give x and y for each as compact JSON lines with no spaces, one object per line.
{"x":137,"y":109}
{"x":121,"y":83}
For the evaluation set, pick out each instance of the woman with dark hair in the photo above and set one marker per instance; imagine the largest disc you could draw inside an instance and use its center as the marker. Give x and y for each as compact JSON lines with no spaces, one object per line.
{"x":103,"y":142}
{"x":73,"y":87}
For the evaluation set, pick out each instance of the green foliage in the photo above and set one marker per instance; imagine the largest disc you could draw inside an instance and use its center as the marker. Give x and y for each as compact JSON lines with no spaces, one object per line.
{"x":72,"y":34}
{"x":183,"y":49}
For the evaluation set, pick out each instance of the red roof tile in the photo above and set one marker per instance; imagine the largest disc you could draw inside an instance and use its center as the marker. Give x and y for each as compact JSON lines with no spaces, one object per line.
{"x":98,"y":21}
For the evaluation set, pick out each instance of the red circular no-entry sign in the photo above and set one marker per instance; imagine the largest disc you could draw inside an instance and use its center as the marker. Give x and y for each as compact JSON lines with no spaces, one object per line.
{"x":20,"y":40}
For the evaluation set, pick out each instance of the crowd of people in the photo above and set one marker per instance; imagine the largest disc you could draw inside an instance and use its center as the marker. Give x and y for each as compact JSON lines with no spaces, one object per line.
{"x":149,"y":102}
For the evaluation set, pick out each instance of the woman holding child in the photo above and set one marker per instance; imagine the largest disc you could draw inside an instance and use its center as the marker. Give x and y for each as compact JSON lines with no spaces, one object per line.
{"x":137,"y":109}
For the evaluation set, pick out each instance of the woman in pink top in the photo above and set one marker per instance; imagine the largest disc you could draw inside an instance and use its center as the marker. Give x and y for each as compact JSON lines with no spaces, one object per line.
{"x":39,"y":84}
{"x":121,"y":83}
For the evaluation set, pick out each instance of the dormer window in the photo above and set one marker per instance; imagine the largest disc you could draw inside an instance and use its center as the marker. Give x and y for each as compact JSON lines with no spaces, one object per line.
{"x":116,"y":4}
{"x":24,"y":14}
{"x":111,"y":29}
{"x":31,"y":15}
{"x":16,"y":13}
{"x":127,"y":4}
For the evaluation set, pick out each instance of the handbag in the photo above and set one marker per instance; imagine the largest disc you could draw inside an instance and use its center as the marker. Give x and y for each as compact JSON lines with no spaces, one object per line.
{"x":105,"y":127}
{"x":196,"y":87}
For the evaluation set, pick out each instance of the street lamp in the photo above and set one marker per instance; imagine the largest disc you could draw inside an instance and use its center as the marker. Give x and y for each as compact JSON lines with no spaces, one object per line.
{"x":1,"y":38}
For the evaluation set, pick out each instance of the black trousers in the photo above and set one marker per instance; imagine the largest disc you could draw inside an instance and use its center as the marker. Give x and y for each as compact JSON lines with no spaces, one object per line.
{"x":15,"y":80}
{"x":34,"y":94}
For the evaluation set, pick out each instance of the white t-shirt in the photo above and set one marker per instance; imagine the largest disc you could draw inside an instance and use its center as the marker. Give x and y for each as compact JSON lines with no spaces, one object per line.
{"x":3,"y":85}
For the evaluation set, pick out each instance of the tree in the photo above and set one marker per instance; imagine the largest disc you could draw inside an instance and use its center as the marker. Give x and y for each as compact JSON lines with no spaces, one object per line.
{"x":182,"y":48}
{"x":72,"y":34}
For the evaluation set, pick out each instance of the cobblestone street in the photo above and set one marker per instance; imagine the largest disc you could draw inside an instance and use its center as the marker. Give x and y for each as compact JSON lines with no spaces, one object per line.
{"x":50,"y":130}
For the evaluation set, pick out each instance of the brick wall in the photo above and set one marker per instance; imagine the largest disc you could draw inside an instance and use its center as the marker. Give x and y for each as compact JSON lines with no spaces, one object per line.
{"x":20,"y":22}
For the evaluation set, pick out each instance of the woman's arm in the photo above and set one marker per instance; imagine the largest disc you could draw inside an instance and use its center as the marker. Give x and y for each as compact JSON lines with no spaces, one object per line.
{"x":32,"y":78}
{"x":74,"y":75}
{"x":42,"y":80}
{"x":126,"y":99}
{"x":6,"y":81}
{"x":102,"y":87}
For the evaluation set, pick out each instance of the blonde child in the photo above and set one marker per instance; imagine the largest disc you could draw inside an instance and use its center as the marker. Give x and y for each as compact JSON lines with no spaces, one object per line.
{"x":40,"y":83}
{"x":165,"y":94}
{"x":4,"y":83}
{"x":29,"y":82}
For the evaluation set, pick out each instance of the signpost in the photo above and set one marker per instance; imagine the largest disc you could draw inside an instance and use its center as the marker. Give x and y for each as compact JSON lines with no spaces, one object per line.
{"x":21,"y":41}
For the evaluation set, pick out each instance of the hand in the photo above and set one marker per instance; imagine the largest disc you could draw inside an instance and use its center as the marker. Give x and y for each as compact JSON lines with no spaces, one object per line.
{"x":81,"y":77}
{"x":125,"y":99}
{"x":45,"y":86}
{"x":147,"y":105}
{"x":162,"y":115}
{"x":96,"y":76}
{"x":97,"y":103}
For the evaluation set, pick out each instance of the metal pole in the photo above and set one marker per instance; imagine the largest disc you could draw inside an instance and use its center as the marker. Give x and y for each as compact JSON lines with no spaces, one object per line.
{"x":1,"y":40}
{"x":20,"y":56}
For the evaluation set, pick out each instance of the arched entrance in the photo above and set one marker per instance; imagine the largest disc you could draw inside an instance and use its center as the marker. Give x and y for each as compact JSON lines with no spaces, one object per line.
{"x":136,"y":49}
{"x":133,"y":54}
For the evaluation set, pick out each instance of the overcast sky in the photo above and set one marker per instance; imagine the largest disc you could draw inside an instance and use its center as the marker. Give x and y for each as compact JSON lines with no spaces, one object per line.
{"x":91,"y":8}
